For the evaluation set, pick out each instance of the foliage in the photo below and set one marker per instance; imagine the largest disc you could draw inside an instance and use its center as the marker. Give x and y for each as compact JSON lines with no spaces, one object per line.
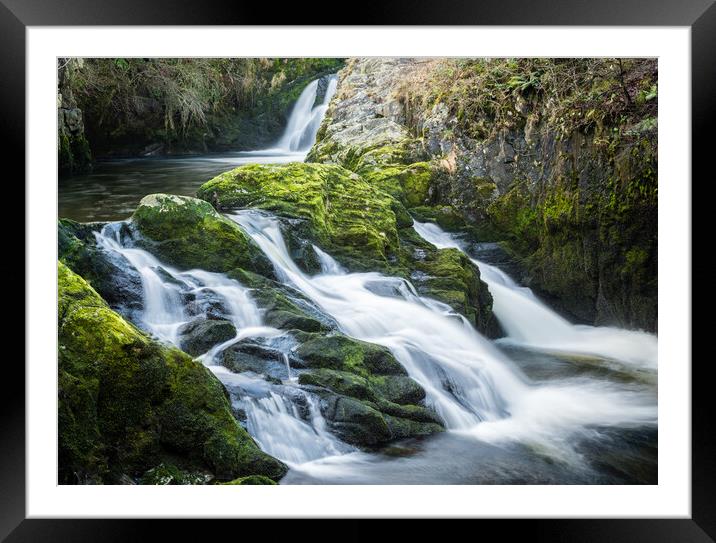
{"x":486,"y":95}
{"x":169,"y":99}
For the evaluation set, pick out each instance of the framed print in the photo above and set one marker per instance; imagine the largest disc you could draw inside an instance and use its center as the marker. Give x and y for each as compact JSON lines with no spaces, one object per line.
{"x":358,"y":272}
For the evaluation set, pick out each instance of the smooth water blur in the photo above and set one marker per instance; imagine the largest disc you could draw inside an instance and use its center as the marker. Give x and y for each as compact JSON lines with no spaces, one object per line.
{"x":272,"y":411}
{"x":474,"y":387}
{"x":305,"y":118}
{"x":529,"y":322}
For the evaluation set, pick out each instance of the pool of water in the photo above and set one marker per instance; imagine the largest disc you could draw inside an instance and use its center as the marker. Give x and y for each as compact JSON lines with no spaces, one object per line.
{"x":114,"y":188}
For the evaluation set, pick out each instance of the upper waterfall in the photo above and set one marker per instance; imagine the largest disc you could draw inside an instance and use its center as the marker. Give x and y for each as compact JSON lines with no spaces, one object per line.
{"x":305,"y":119}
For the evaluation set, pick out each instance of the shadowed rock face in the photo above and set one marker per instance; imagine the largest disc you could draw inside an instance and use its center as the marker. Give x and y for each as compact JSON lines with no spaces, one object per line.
{"x":577,"y":208}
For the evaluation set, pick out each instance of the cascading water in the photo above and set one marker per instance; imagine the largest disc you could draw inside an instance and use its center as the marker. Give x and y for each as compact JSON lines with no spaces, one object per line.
{"x":273,"y":418}
{"x":471,"y":385}
{"x":529,"y":322}
{"x":305,"y":118}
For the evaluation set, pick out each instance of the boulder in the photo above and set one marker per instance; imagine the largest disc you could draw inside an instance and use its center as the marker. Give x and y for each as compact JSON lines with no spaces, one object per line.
{"x":346,"y":216}
{"x":128,"y":404}
{"x":189,"y":233}
{"x":201,"y":334}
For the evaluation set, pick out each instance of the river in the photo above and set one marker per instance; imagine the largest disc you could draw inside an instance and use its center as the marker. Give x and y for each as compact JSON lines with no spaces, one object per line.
{"x":550,"y":403}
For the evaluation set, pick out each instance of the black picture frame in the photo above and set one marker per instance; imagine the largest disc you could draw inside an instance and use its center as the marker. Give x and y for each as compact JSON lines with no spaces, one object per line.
{"x":700,"y":15}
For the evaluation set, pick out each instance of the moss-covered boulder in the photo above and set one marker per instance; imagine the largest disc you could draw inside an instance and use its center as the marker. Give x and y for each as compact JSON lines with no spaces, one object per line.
{"x":347,"y":216}
{"x":128,"y":404}
{"x":447,"y":275}
{"x":251,"y":480}
{"x":189,"y":233}
{"x":367,"y":396}
{"x":201,"y":334}
{"x":339,"y":352}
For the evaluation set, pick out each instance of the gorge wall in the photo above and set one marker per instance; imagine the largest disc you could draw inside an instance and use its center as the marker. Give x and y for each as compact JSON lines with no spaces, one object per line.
{"x":556,"y":159}
{"x":116,"y":107}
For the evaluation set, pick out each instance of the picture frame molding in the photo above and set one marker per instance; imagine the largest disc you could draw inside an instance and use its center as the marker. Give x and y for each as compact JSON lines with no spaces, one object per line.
{"x":700,"y":15}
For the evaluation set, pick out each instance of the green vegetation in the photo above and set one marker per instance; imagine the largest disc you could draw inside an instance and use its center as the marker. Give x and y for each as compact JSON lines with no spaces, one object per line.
{"x":128,"y":405}
{"x":347,"y":216}
{"x":566,"y":95}
{"x":189,"y":233}
{"x":187,"y":104}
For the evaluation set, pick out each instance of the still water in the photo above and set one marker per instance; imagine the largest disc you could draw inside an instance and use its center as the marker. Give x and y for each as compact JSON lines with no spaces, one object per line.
{"x":114,"y":188}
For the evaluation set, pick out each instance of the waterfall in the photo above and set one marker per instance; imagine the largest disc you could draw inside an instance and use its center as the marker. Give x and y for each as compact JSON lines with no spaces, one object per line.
{"x":272,"y":416}
{"x":305,"y":118}
{"x":529,"y":322}
{"x":473,"y":387}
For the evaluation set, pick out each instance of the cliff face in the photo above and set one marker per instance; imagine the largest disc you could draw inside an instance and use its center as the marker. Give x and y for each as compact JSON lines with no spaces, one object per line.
{"x":73,"y":150}
{"x":555,"y":158}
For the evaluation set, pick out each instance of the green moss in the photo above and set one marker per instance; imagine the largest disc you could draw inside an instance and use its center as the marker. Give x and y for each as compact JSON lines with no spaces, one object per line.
{"x":73,"y":153}
{"x":251,"y":480}
{"x":513,"y":214}
{"x":127,"y":403}
{"x":445,"y":216}
{"x":341,"y":382}
{"x":339,"y":352}
{"x":64,"y":154}
{"x":189,"y":233}
{"x":277,"y":303}
{"x":411,"y":184}
{"x":485,"y":188}
{"x":347,"y":216}
{"x":393,"y":389}
{"x":453,"y":279}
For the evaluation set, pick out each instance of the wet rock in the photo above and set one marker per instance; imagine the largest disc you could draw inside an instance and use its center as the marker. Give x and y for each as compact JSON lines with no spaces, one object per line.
{"x":200,"y":335}
{"x":127,"y":403}
{"x":256,"y":356}
{"x":110,"y":274}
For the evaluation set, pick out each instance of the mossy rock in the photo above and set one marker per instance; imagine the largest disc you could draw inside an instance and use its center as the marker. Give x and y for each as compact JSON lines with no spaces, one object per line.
{"x":410,"y":184}
{"x":348,"y":217}
{"x":201,"y":334}
{"x":189,"y":233}
{"x":282,"y":306}
{"x":128,"y":404}
{"x":251,"y":480}
{"x":341,"y":382}
{"x":339,"y":352}
{"x":449,"y":276}
{"x":169,"y":474}
{"x":354,"y":421}
{"x":362,"y":423}
{"x":398,"y":389}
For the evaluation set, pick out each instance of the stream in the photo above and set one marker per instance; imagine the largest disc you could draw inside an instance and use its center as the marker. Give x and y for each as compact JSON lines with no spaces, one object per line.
{"x":550,"y":403}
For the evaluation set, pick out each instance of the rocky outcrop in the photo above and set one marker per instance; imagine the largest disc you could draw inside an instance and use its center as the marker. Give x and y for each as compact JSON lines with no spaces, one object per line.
{"x":363,"y":226}
{"x":189,"y":233}
{"x":73,"y":151}
{"x":130,"y":407}
{"x":565,"y":179}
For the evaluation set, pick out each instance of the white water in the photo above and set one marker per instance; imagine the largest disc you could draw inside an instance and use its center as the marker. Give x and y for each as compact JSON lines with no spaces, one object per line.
{"x":470,"y":384}
{"x":298,"y":136}
{"x":529,"y":322}
{"x":305,"y":119}
{"x":272,"y":418}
